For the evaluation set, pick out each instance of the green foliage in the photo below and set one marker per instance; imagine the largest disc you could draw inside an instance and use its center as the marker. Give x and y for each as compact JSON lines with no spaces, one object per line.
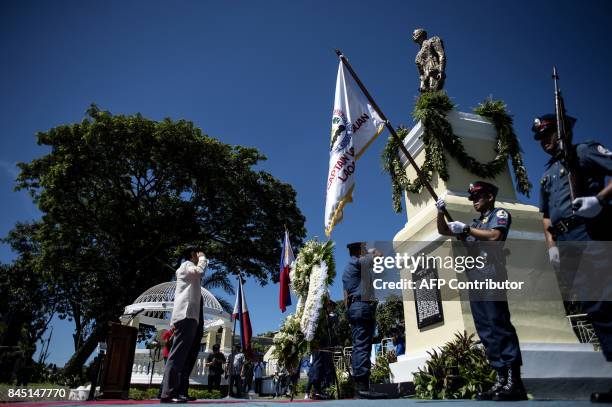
{"x":381,"y":372}
{"x":342,"y":330}
{"x":289,"y":343}
{"x":431,"y":109}
{"x":346,"y":384}
{"x":27,"y":306}
{"x":458,"y":371}
{"x":151,"y":393}
{"x":120,"y":195}
{"x":259,"y":347}
{"x":389,"y":316}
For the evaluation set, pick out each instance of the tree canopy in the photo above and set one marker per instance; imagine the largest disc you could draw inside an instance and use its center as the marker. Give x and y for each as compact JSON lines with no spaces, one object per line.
{"x":120,"y":195}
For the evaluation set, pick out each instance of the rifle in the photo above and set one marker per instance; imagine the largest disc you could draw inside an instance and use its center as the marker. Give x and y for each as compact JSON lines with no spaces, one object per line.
{"x":564,"y":141}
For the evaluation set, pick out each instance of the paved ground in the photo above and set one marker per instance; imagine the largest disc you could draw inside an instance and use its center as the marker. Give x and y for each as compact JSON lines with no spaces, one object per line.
{"x":331,"y":403}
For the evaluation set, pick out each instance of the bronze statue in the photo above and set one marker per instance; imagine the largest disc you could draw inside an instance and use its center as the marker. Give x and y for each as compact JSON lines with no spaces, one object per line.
{"x":430,"y":61}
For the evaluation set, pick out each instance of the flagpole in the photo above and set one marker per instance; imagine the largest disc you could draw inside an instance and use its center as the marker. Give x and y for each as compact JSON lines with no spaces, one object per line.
{"x":229,"y":368}
{"x":420,"y":174}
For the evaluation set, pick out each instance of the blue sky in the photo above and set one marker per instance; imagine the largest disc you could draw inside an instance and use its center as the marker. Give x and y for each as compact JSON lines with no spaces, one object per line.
{"x":262,"y":74}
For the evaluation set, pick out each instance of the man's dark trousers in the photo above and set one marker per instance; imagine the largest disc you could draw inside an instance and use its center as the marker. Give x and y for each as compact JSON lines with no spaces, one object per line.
{"x":258,"y":383}
{"x":184,"y":334}
{"x":235,"y":381}
{"x":192,"y":358}
{"x":214,"y":382}
{"x":362,"y":320}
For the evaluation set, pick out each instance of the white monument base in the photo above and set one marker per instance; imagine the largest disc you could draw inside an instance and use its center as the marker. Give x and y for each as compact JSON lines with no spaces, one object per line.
{"x":540,"y":361}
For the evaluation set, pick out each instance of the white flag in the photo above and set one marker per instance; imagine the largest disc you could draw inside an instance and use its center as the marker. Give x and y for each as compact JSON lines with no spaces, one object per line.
{"x":355,"y":124}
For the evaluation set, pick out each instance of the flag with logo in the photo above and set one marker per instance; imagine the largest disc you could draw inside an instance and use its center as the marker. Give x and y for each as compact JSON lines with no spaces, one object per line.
{"x":287,"y":258}
{"x":241,"y":313}
{"x":355,"y":125}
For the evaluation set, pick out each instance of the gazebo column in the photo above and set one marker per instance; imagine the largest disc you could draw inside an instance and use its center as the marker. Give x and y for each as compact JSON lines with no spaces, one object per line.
{"x":226,"y":337}
{"x":210,"y":340}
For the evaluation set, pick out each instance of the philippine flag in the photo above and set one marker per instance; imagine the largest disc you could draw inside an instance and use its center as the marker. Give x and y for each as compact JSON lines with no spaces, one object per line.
{"x":241,"y":313}
{"x":287,"y":258}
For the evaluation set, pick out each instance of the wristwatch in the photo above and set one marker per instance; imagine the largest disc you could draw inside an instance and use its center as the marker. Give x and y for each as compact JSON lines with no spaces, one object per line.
{"x":466,"y":231}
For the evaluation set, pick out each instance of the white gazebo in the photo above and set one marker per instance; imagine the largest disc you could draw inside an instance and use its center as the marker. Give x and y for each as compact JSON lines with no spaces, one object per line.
{"x":154,"y":308}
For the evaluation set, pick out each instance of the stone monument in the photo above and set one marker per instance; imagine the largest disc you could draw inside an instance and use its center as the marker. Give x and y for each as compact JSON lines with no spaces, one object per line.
{"x":549,"y":346}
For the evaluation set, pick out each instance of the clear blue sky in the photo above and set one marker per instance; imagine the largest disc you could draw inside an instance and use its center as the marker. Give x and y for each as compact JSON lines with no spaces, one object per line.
{"x":262,"y":74}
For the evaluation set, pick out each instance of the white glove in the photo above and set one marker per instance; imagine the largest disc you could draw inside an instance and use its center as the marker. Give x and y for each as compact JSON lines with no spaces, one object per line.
{"x":587,"y":207}
{"x":440,"y":204}
{"x":553,"y":256}
{"x":456,"y":227}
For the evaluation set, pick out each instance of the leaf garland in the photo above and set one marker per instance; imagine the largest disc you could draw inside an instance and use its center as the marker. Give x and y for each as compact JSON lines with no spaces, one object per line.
{"x":431,"y":109}
{"x":314,"y":261}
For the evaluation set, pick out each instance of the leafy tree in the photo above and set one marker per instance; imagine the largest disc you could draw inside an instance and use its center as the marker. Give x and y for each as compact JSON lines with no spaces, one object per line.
{"x":267,"y":334}
{"x":343,"y":329}
{"x":26,"y":307}
{"x":121,"y":194}
{"x":389,"y":317}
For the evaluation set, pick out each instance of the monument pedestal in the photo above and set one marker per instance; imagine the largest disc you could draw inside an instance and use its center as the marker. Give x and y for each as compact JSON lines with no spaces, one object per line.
{"x":550,"y":349}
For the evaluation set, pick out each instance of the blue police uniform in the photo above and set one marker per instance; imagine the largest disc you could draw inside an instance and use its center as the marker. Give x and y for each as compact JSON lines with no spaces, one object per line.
{"x":361,"y":315}
{"x":492,"y":316}
{"x":595,"y":163}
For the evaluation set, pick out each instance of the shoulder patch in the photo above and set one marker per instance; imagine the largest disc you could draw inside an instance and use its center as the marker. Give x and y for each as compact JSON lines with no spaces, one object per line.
{"x":502,"y":214}
{"x":603,"y":151}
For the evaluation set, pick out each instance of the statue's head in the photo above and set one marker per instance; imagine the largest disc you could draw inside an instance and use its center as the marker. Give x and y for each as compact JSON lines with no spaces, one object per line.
{"x":419,"y":35}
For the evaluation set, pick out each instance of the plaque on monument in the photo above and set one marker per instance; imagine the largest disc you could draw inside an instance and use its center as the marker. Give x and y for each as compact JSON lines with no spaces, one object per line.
{"x":428,"y":302}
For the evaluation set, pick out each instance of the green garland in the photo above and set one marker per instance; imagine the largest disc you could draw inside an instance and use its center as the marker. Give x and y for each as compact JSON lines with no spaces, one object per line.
{"x":431,"y":109}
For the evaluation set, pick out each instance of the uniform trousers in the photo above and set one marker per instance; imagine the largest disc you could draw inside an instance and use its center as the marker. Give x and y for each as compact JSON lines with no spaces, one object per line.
{"x":496,"y":332}
{"x":492,"y":319}
{"x":362,"y":320}
{"x":184,"y":334}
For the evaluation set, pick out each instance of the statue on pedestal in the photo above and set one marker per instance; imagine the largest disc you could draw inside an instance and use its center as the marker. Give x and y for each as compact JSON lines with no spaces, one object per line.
{"x":430,"y":61}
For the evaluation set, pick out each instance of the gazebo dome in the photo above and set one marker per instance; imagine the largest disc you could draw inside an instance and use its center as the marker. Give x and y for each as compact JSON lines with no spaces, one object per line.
{"x":164,"y":293}
{"x":154,"y":306}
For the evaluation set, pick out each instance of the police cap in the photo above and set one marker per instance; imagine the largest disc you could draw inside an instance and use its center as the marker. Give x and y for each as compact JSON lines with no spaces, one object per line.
{"x":548,"y":122}
{"x":481,"y":187}
{"x":355,"y":246}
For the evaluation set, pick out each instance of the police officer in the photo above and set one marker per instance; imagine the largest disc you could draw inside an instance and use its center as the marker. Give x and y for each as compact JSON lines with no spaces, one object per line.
{"x":490,"y":310}
{"x":361,"y":308}
{"x":585,"y":219}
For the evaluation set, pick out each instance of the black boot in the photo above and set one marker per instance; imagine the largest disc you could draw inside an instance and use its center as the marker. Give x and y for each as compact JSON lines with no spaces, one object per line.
{"x":362,"y":390}
{"x":500,"y":381}
{"x":513,"y":390}
{"x":605,"y":397}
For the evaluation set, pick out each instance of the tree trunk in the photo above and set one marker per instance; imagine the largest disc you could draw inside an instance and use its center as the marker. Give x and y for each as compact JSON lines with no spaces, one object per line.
{"x":74,"y":366}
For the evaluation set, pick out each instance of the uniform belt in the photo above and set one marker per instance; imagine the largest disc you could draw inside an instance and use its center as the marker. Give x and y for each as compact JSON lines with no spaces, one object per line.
{"x":357,"y":298}
{"x":566,"y":225}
